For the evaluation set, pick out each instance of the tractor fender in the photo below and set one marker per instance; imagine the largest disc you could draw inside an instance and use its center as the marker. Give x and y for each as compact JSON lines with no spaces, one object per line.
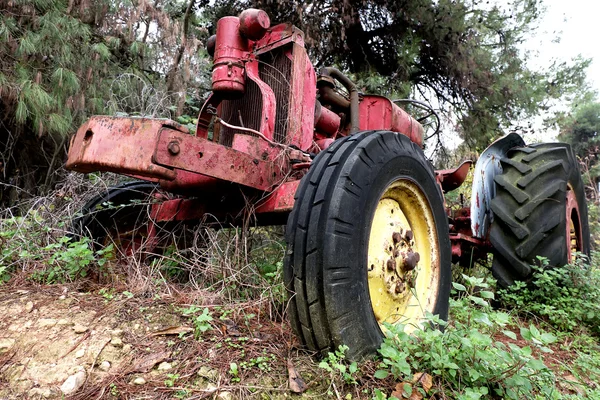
{"x":484,"y":189}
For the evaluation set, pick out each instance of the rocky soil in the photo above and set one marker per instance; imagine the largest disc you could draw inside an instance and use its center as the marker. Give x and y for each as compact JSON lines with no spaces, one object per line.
{"x":57,"y":342}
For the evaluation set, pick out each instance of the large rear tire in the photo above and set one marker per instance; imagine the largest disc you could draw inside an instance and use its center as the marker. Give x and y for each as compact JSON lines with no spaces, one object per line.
{"x":368,"y":244}
{"x":539,"y":210}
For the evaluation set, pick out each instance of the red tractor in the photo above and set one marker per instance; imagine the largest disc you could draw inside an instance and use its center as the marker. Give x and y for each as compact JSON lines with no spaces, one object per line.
{"x":368,"y":234}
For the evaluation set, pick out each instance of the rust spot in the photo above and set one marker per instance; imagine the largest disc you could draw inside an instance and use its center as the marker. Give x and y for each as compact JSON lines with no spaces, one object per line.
{"x":399,"y":288}
{"x":173,"y":148}
{"x":391,"y":264}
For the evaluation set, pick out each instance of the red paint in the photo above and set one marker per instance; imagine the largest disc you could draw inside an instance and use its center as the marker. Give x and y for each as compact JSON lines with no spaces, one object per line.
{"x":228,"y":74}
{"x":327,"y":123}
{"x":451,"y":179}
{"x":254,"y":23}
{"x":219,"y":178}
{"x":377,"y":112}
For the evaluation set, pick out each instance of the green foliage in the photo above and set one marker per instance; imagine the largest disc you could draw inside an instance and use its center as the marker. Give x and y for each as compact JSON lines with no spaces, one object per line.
{"x":467,"y":360}
{"x":171,"y":379}
{"x":568,"y":297}
{"x":202,"y":321}
{"x":335,"y":363}
{"x":26,"y":241}
{"x":67,"y":260}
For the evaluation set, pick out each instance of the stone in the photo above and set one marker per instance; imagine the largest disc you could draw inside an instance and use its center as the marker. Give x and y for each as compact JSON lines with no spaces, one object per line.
{"x":116,"y":342}
{"x":73,"y":383}
{"x":29,"y":307}
{"x":225,"y":396}
{"x":164,"y":366}
{"x":64,"y":322}
{"x":117,"y":333}
{"x":139,"y":381}
{"x":80,"y":353}
{"x":78,"y":328}
{"x":208,"y":373}
{"x":40,"y":393}
{"x":127,"y":348}
{"x":104,"y":366}
{"x":46,"y":322}
{"x":6,"y":344}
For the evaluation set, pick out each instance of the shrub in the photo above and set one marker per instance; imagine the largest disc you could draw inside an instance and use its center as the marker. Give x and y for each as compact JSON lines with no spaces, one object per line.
{"x":568,"y":298}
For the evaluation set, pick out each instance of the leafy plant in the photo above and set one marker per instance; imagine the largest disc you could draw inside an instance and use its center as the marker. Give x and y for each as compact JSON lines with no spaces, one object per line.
{"x":466,"y":360}
{"x":335,"y":363}
{"x":171,"y":379}
{"x":568,"y":297}
{"x":201,"y":322}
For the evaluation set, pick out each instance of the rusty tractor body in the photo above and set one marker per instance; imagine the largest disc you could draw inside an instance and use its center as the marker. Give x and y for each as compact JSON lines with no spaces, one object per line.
{"x":269,"y":118}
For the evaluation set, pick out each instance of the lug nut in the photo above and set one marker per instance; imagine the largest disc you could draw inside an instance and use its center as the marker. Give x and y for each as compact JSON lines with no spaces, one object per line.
{"x":399,"y":288}
{"x":173,"y":148}
{"x":411,"y":260}
{"x":391,"y":264}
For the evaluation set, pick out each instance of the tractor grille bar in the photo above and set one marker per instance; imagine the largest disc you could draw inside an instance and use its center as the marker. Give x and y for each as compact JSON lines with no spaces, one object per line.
{"x":245,"y":111}
{"x":275,"y":70}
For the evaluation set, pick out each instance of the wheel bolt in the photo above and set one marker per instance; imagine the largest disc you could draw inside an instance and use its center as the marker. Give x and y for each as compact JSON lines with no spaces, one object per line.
{"x":173,"y":148}
{"x":391,"y":264}
{"x":411,"y":260}
{"x":399,"y":288}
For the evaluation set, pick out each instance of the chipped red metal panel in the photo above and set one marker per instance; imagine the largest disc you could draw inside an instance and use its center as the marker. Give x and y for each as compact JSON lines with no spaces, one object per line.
{"x":281,"y":199}
{"x":122,"y":145}
{"x":201,"y":156}
{"x":378,"y":112}
{"x":177,"y":210}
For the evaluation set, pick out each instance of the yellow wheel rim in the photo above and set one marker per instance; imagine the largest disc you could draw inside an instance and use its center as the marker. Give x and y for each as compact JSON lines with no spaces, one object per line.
{"x":403,"y":259}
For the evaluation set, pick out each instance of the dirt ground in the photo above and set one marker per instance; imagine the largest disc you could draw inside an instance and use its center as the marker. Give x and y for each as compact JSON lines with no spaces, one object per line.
{"x":58,"y":342}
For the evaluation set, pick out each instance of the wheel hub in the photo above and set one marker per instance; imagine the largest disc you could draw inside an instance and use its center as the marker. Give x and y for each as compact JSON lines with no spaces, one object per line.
{"x":403,"y":263}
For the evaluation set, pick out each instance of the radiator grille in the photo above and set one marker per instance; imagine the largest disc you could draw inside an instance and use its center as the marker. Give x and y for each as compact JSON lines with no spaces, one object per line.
{"x":275,"y":70}
{"x":245,"y":111}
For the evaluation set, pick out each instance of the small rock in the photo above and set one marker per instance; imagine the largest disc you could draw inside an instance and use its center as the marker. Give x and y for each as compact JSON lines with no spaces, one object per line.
{"x":104,"y":366}
{"x":80,"y":353}
{"x":28,"y":324}
{"x":225,"y":396}
{"x":164,"y":366}
{"x":116,"y":342}
{"x":46,"y":322}
{"x":29,"y":307}
{"x":80,"y":328}
{"x":62,"y":297}
{"x":127,"y":348}
{"x":136,"y":326}
{"x":6,"y":344}
{"x":208,"y":373}
{"x":63,"y":322}
{"x":117,"y":333}
{"x":40,"y":392}
{"x":73,"y":383}
{"x":139,"y":381}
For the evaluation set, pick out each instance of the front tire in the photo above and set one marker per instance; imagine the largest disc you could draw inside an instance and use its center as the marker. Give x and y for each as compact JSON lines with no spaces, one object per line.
{"x":367,"y":244}
{"x":539,"y":210}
